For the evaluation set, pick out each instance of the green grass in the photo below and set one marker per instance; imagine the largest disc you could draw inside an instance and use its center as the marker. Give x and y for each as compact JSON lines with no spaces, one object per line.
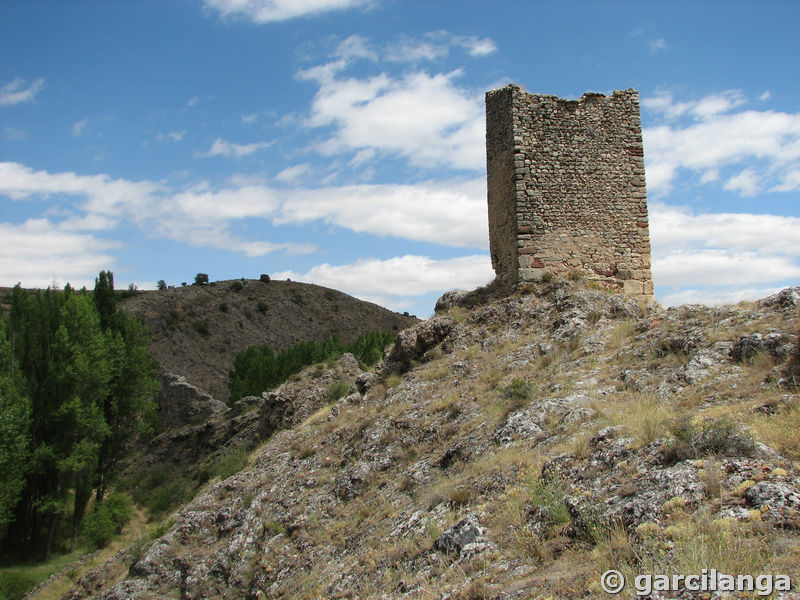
{"x":17,"y":580}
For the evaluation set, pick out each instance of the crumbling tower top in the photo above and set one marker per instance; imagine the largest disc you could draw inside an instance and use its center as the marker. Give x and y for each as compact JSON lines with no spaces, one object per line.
{"x":567,"y":188}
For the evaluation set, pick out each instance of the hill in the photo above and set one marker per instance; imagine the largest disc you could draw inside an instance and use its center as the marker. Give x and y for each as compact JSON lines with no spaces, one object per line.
{"x":196,"y":331}
{"x":511,"y":447}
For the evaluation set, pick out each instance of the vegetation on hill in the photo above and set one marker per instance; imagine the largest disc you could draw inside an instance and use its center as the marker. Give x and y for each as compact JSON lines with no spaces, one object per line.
{"x":76,"y":382}
{"x":196,"y":331}
{"x":513,"y":448}
{"x":258,"y":369}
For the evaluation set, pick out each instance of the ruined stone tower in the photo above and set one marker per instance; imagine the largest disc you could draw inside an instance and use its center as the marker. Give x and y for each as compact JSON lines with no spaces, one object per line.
{"x":567,"y":188}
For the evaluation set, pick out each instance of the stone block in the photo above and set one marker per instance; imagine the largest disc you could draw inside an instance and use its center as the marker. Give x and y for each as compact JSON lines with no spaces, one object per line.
{"x":632,"y":287}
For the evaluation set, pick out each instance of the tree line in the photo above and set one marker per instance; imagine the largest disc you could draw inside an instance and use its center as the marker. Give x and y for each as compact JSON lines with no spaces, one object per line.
{"x":257,"y":369}
{"x":76,"y":386}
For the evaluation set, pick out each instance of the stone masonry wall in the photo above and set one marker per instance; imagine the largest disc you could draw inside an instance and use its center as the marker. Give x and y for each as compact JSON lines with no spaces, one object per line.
{"x":567,"y":188}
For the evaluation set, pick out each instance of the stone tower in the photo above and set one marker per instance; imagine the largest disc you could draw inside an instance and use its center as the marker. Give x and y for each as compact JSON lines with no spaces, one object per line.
{"x":567,"y":188}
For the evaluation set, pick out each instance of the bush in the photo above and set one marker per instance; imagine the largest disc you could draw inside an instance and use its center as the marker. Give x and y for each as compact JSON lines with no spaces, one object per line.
{"x":337,"y":389}
{"x":693,"y":439}
{"x":236,"y":286}
{"x":108,"y":519}
{"x":264,"y":278}
{"x":230,"y":463}
{"x":162,"y":285}
{"x":98,"y":528}
{"x":201,"y":327}
{"x":223,"y":307}
{"x":201,"y":279}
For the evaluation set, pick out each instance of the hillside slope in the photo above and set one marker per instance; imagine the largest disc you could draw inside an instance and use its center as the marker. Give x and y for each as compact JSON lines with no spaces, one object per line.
{"x":196,"y":331}
{"x":512,"y":448}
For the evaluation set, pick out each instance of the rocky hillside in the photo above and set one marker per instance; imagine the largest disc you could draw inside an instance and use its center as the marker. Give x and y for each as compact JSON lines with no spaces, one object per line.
{"x":510,"y":447}
{"x":196,"y":331}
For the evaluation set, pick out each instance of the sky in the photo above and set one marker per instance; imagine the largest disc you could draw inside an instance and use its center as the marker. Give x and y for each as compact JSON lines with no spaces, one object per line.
{"x":341,"y":142}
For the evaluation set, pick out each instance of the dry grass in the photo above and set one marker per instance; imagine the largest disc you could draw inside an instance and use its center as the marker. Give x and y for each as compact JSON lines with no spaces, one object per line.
{"x":620,"y":334}
{"x":643,"y":415}
{"x":780,"y":430}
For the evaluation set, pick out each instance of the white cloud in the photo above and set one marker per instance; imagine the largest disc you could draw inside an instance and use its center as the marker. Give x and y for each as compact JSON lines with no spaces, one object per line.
{"x":722,"y":267}
{"x":266,"y":11}
{"x":424,"y":118}
{"x":393,"y":282}
{"x":356,"y":46}
{"x":36,"y":252}
{"x":762,"y":146}
{"x":790,"y":182}
{"x":476,"y":46}
{"x":221,"y":147}
{"x":17,"y":92}
{"x":171,"y":136}
{"x":197,"y":216}
{"x":79,"y":126}
{"x":766,"y":95}
{"x":736,"y":252}
{"x":716,"y":296}
{"x":293,"y":173}
{"x":249,"y":119}
{"x":673,"y":229}
{"x":449,"y":212}
{"x":658,"y":45}
{"x":746,"y":182}
{"x":415,"y":50}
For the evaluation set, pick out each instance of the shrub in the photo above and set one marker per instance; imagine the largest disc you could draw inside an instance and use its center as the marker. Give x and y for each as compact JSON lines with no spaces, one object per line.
{"x":100,"y":525}
{"x":262,"y":307}
{"x":236,"y":286}
{"x":693,"y":439}
{"x":201,"y":327}
{"x":337,"y":389}
{"x":230,"y":463}
{"x":162,"y":285}
{"x":201,"y":279}
{"x":264,"y":278}
{"x":223,"y":307}
{"x":517,"y":394}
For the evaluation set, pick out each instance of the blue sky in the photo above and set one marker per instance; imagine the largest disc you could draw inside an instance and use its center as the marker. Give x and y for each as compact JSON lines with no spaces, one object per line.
{"x":341,"y":142}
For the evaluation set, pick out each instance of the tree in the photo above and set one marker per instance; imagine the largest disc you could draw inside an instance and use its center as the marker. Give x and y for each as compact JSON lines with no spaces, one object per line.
{"x":76,"y":381}
{"x":15,"y":422}
{"x":162,"y":285}
{"x":201,"y":279}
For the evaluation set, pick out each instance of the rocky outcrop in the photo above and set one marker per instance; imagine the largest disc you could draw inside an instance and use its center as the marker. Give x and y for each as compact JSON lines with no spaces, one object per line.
{"x":413,"y":342}
{"x":181,"y":403}
{"x":635,"y":435}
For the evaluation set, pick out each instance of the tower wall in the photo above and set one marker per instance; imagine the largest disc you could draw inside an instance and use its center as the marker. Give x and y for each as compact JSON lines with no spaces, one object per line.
{"x":567,"y":188}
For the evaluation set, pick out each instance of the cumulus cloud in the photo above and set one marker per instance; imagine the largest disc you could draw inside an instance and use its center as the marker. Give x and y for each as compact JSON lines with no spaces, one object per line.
{"x":424,"y":118}
{"x":716,"y":296}
{"x":221,"y":147}
{"x":734,"y":253}
{"x":266,"y":11}
{"x":760,"y":148}
{"x":449,"y":212}
{"x":18,"y":91}
{"x":395,"y":281}
{"x":198,"y":215}
{"x":37,"y":252}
